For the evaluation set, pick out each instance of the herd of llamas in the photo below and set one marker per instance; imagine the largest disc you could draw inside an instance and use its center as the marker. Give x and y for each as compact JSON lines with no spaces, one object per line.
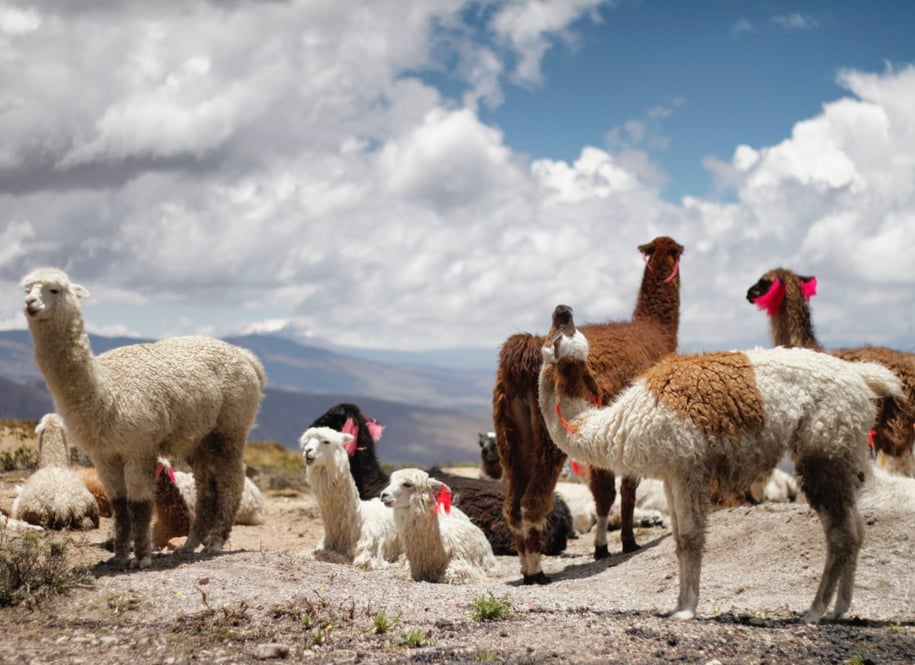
{"x":611,"y":398}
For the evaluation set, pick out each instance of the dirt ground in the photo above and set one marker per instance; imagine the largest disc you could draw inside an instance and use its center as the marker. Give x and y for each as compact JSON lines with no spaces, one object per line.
{"x":267,"y":598}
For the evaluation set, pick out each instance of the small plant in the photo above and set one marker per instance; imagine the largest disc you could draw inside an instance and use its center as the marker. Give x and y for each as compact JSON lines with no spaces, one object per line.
{"x":34,"y":567}
{"x":412,"y":638}
{"x":23,"y":457}
{"x":382,"y":623}
{"x":491,"y":608}
{"x":319,"y":635}
{"x":487,"y":656}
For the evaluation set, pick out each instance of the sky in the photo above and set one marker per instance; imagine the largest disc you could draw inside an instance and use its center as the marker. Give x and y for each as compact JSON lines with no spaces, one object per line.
{"x":439,"y":174}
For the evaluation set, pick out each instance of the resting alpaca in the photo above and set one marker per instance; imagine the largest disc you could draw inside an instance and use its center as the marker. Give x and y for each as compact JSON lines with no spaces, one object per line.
{"x":55,"y":497}
{"x":440,"y":541}
{"x":480,"y":500}
{"x":490,"y":467}
{"x":785,"y":297}
{"x":187,"y":397}
{"x":619,"y":351}
{"x":726,"y":417}
{"x":355,"y":531}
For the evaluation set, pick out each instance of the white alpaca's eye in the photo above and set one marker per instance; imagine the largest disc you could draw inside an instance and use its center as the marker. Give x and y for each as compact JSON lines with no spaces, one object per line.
{"x":55,"y":291}
{"x":408,"y":485}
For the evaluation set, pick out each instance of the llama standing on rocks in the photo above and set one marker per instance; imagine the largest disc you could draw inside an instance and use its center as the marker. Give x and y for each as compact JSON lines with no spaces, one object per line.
{"x":440,"y":541}
{"x":187,"y":397}
{"x":725,"y":418}
{"x":620,"y":350}
{"x":55,"y":497}
{"x":356,"y":531}
{"x":785,"y":296}
{"x":481,"y":500}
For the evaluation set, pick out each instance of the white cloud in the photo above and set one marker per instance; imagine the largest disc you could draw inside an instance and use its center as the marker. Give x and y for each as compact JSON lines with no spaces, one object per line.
{"x":795,"y":21}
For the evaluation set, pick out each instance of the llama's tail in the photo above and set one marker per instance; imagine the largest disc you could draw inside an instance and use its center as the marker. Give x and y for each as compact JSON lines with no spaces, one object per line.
{"x":881,"y":380}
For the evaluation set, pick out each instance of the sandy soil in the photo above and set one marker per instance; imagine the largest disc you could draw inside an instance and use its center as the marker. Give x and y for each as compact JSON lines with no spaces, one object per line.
{"x":267,"y":598}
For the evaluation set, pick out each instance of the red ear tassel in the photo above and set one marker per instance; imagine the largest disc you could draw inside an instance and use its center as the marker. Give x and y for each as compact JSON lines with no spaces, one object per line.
{"x":772,"y":299}
{"x":443,"y":500}
{"x":870,"y":437}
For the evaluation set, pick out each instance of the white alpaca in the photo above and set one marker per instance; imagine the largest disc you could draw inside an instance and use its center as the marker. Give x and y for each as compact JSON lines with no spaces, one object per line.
{"x":887,"y":491}
{"x":55,"y":497}
{"x":726,"y":417}
{"x":250,"y":508}
{"x":648,"y":511}
{"x":356,"y":531}
{"x":192,"y":398}
{"x":441,"y":544}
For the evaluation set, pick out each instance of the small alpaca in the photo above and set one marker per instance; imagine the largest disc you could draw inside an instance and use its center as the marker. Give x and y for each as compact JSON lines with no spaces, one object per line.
{"x":480,"y":500}
{"x":490,"y":466}
{"x":726,"y":417}
{"x":785,"y":296}
{"x":55,"y":497}
{"x":619,"y":351}
{"x":193,"y":398}
{"x":356,"y":531}
{"x":440,"y":541}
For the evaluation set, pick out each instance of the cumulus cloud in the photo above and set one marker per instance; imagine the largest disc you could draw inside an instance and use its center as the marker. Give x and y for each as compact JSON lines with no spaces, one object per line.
{"x":292,"y":166}
{"x":795,"y":21}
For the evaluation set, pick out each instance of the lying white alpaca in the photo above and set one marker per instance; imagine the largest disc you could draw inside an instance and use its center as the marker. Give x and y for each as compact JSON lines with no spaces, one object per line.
{"x":440,"y":541}
{"x":888,"y":491}
{"x":192,"y":398}
{"x":55,"y":497}
{"x":356,"y":531}
{"x":580,"y":500}
{"x":726,"y":417}
{"x":250,"y":508}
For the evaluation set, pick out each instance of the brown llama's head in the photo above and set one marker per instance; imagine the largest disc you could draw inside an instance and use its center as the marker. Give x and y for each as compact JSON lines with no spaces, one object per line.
{"x":769,"y":291}
{"x":662,"y":255}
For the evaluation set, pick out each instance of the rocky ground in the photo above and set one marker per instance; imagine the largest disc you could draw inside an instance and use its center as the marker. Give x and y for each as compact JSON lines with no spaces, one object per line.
{"x":267,"y":598}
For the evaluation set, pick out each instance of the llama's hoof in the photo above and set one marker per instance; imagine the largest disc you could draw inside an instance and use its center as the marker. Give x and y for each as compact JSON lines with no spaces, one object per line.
{"x":601,"y":552}
{"x":630,"y":546}
{"x":140,"y":564}
{"x":120,"y":562}
{"x":683,"y":615}
{"x":538,"y":578}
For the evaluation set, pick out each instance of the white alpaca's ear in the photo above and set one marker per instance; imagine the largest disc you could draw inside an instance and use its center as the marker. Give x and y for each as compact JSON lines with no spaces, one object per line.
{"x":79,"y":290}
{"x":346,"y":437}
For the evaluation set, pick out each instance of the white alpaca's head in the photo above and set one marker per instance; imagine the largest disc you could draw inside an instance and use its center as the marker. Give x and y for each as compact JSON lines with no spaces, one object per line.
{"x":414,"y":488}
{"x":48,"y":290}
{"x":325,"y":447}
{"x":52,"y":442}
{"x":563,"y":339}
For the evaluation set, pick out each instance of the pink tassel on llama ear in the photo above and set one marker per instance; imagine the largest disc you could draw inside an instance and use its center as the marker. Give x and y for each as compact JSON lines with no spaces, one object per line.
{"x":350,"y":427}
{"x":171,"y":472}
{"x":772,"y":299}
{"x":673,"y":272}
{"x":809,"y":288}
{"x":443,"y":500}
{"x":375,"y":429}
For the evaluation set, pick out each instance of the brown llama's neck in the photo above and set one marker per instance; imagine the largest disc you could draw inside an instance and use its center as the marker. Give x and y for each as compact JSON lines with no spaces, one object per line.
{"x":791,"y":324}
{"x":659,"y":300}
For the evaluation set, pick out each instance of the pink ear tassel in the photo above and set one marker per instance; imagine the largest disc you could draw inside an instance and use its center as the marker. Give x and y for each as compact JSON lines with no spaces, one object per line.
{"x":809,"y":288}
{"x":350,"y":427}
{"x":375,"y":429}
{"x":443,"y":500}
{"x":772,"y":299}
{"x":674,"y":272}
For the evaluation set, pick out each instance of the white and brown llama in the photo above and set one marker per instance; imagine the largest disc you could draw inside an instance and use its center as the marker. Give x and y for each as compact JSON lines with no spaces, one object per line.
{"x":619,"y":351}
{"x":725,"y":417}
{"x":785,"y":296}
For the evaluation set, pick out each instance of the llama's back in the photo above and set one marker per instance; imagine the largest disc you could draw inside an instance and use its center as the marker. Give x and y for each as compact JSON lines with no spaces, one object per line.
{"x":621,"y":350}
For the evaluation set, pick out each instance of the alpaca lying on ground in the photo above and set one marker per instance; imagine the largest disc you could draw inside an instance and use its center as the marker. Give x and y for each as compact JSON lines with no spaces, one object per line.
{"x":726,"y":417}
{"x":440,"y":541}
{"x":888,"y":492}
{"x":480,"y":500}
{"x":192,"y":398}
{"x":785,"y":296}
{"x":619,"y":351}
{"x":89,"y":476}
{"x":250,"y":508}
{"x":584,"y":512}
{"x":356,"y":531}
{"x":55,"y":497}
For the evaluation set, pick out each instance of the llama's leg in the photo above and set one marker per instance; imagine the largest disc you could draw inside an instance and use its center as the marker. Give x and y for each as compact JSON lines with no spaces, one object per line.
{"x":628,"y":487}
{"x":139,"y":475}
{"x":111,"y":474}
{"x":830,"y":491}
{"x":222,"y":472}
{"x":603,"y":489}
{"x":689,"y":504}
{"x":535,"y":506}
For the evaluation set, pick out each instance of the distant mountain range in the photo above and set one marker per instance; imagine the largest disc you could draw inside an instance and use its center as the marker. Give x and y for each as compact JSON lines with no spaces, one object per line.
{"x":431,"y":413}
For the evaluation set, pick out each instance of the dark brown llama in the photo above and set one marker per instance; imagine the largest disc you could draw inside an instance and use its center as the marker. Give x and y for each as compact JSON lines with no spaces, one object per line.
{"x":785,"y":296}
{"x":619,"y":351}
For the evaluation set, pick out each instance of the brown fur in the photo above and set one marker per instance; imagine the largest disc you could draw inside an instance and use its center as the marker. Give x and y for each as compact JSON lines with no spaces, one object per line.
{"x":731,"y":404}
{"x":96,"y":489}
{"x":171,"y":517}
{"x":619,"y":352}
{"x":792,"y":327}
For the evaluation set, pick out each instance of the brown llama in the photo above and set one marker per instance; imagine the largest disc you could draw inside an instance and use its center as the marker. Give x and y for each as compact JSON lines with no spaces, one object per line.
{"x":620,"y":350}
{"x":785,"y":296}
